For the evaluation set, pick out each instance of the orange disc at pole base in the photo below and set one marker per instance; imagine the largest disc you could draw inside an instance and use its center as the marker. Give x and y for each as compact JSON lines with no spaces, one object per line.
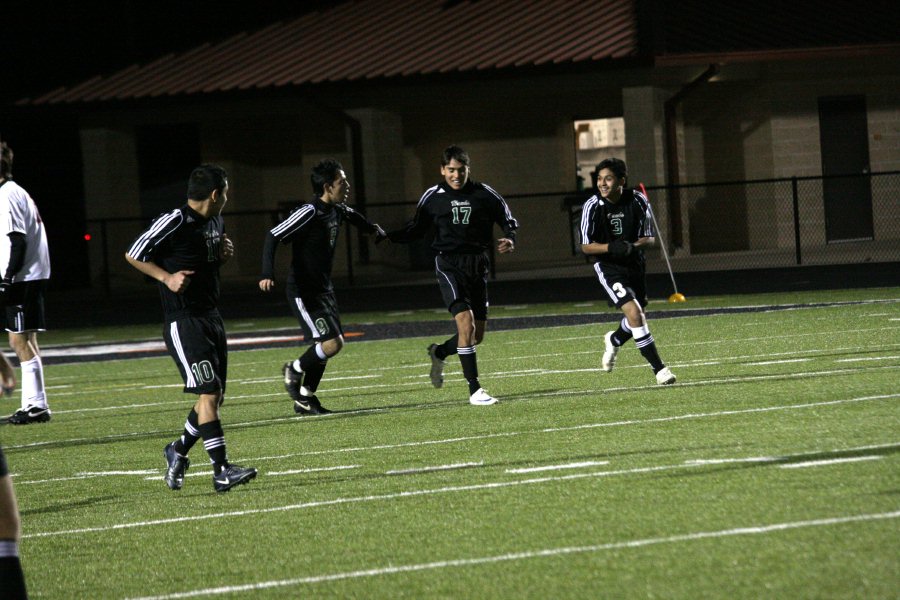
{"x":677,"y":297}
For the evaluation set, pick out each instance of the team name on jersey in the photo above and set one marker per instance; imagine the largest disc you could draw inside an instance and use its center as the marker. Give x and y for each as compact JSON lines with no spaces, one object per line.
{"x":460,"y":203}
{"x":213,"y":244}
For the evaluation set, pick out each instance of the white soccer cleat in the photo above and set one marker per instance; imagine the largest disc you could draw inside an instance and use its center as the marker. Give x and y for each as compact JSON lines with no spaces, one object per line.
{"x":481,"y":398}
{"x":665,"y":377}
{"x":609,"y":353}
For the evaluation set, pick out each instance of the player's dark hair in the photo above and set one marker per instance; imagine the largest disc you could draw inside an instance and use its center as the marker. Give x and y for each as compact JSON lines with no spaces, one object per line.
{"x":204,"y":180}
{"x":454,"y":152}
{"x":325,"y":172}
{"x":616,"y":165}
{"x":6,"y":160}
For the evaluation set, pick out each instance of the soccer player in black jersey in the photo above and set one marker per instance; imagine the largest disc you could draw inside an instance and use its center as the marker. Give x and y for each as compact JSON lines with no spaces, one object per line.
{"x":182,"y":250}
{"x":463,"y":213}
{"x":312,"y":230}
{"x":616,"y":224}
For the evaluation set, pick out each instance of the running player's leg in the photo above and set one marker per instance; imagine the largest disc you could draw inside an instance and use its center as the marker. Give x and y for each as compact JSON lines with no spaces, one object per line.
{"x":7,"y":376}
{"x":320,"y":319}
{"x":642,"y":336}
{"x":199,"y":348}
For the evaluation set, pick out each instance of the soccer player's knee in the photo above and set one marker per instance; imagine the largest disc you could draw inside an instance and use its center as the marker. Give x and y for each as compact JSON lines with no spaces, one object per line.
{"x":333,"y":346}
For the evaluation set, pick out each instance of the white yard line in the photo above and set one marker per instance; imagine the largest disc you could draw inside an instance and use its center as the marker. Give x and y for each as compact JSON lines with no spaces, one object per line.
{"x":577,"y":465}
{"x":528,"y":554}
{"x":435,"y":468}
{"x":356,"y":500}
{"x":831,"y":461}
{"x":843,"y":360}
{"x":311,"y":470}
{"x":411,"y":493}
{"x":711,"y":414}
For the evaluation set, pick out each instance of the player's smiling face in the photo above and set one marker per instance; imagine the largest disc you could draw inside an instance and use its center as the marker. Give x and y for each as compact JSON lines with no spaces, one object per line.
{"x":609,"y":186}
{"x":455,"y":174}
{"x":338,"y":190}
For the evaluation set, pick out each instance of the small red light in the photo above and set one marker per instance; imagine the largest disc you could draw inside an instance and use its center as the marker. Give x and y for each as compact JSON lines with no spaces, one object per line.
{"x":87,"y":237}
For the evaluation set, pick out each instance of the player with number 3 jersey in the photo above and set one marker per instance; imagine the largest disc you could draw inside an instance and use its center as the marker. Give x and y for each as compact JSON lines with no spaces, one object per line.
{"x":616,"y":224}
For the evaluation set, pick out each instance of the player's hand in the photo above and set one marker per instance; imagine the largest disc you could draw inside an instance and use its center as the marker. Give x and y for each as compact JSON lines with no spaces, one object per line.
{"x":227,"y":248}
{"x":178,"y":282}
{"x":267,"y":285}
{"x":620,"y":248}
{"x":380,"y":235}
{"x":505,"y":245}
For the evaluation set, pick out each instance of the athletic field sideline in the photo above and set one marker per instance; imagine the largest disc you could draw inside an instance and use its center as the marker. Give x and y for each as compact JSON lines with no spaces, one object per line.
{"x":771,"y":469}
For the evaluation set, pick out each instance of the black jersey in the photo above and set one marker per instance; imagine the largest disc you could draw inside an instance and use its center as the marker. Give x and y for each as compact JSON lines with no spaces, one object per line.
{"x":463,"y":219}
{"x":312,"y":230}
{"x":185,"y":240}
{"x":628,"y":219}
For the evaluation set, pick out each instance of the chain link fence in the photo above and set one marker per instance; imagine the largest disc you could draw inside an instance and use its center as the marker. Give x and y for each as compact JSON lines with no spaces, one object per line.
{"x":727,"y":226}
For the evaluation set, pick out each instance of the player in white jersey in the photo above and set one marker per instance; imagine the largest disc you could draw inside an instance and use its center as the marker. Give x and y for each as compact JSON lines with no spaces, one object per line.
{"x":25,"y":271}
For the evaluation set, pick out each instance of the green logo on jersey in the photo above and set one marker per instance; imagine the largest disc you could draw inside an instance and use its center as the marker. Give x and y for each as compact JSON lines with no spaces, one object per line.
{"x":322,"y":326}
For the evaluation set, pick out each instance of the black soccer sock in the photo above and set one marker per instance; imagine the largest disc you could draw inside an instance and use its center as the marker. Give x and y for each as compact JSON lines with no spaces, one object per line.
{"x":214,"y":442}
{"x":309,"y":358}
{"x":469,"y":367}
{"x":447,"y":348}
{"x":313,"y":375}
{"x":648,"y":349}
{"x":12,"y":580}
{"x":190,"y":435}
{"x":622,"y":334}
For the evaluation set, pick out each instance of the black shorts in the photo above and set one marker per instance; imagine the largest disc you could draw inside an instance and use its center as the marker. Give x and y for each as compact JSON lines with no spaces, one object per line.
{"x":622,"y":284}
{"x":463,"y":282}
{"x":4,"y":469}
{"x":318,"y":315}
{"x":25,"y":306}
{"x":199,"y":348}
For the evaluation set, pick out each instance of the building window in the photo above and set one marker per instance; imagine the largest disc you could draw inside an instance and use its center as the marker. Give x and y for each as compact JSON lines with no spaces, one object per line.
{"x":596,"y":139}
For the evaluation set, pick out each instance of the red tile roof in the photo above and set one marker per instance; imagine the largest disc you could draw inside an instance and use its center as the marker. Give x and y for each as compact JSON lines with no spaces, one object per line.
{"x":360,"y":40}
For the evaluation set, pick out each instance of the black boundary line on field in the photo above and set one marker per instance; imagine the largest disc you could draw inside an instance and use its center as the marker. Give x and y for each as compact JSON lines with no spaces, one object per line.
{"x":382,"y":331}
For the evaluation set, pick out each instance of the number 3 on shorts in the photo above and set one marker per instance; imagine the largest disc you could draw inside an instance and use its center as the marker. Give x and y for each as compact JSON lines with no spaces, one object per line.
{"x":619,"y":289}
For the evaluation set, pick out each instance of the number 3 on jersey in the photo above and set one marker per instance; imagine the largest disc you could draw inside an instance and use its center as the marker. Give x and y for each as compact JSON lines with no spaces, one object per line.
{"x":461,"y":211}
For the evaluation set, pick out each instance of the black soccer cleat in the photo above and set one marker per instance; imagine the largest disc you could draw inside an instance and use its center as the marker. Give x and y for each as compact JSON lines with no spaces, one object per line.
{"x":231,"y":476}
{"x":310,"y":405}
{"x":292,"y":381}
{"x":176,"y":465}
{"x":33,"y":414}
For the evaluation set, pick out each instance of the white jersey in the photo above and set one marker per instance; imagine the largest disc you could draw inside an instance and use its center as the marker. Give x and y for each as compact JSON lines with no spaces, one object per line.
{"x":19,"y":214}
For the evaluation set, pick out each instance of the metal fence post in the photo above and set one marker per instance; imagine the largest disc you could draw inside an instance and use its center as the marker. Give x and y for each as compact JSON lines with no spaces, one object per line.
{"x":105,"y":249}
{"x":796,"y":219}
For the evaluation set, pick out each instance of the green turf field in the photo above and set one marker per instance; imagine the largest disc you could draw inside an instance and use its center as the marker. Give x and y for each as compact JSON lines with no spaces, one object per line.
{"x":770,"y":470}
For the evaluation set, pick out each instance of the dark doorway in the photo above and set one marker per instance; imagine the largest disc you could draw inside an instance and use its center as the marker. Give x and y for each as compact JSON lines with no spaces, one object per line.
{"x":847,"y":187}
{"x":166,"y":156}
